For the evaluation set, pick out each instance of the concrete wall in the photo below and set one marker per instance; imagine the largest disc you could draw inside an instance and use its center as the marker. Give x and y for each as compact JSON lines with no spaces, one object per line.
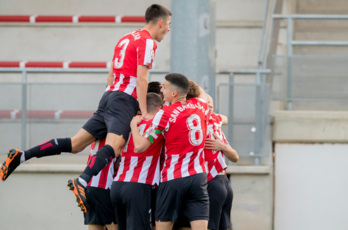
{"x":310,"y":186}
{"x":42,"y":201}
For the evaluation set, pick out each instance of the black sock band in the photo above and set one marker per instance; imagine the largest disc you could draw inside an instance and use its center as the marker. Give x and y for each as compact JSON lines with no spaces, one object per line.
{"x":49,"y":148}
{"x":97,"y":162}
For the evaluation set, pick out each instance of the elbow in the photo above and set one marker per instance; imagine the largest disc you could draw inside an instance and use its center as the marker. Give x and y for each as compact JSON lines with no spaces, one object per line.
{"x":139,"y":149}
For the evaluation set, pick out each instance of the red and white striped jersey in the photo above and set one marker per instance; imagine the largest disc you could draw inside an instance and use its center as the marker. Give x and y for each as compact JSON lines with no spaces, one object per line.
{"x":105,"y":177}
{"x":141,"y":167}
{"x":133,"y":49}
{"x":184,"y":130}
{"x":215,"y":160}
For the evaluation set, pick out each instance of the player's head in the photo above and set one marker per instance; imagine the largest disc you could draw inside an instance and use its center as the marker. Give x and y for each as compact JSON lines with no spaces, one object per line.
{"x":159,"y":17}
{"x":153,"y":103}
{"x":210,"y":103}
{"x":193,"y":90}
{"x":175,"y":87}
{"x":155,"y":87}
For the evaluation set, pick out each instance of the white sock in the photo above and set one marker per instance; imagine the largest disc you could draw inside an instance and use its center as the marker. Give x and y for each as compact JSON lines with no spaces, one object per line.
{"x":22,"y":158}
{"x":83,"y":182}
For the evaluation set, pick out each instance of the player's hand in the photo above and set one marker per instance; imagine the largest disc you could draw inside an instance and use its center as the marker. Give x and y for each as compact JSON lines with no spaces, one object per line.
{"x":136,"y":120}
{"x":146,"y":117}
{"x":216,"y":145}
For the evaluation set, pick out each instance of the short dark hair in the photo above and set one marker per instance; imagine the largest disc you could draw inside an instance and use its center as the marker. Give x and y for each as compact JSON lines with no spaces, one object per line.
{"x":155,"y":87}
{"x":179,"y":81}
{"x":193,"y":90}
{"x":153,"y":102}
{"x":155,"y":12}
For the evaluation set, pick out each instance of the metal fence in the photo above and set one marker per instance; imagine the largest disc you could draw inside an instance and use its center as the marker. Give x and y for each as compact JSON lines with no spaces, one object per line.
{"x":312,"y":82}
{"x":246,"y":105}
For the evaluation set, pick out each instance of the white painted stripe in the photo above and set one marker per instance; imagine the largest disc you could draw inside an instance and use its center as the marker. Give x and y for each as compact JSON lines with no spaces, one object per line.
{"x":185,"y":164}
{"x":170,"y":172}
{"x":145,"y":170}
{"x":66,"y":64}
{"x":13,"y":113}
{"x":148,"y":49}
{"x":108,"y":64}
{"x":133,"y":164}
{"x":22,"y":64}
{"x":131,"y":86}
{"x":57,"y":114}
{"x":117,"y":86}
{"x":75,"y":19}
{"x":32,"y":18}
{"x":118,"y":18}
{"x":198,"y":167}
{"x":120,"y":169}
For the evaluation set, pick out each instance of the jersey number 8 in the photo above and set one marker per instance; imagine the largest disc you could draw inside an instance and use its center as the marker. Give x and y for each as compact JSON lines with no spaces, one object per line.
{"x":196,"y":132}
{"x":119,"y":62}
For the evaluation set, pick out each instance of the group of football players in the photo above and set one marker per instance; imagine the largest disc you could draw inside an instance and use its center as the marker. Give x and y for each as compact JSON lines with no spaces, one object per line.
{"x":157,"y":158}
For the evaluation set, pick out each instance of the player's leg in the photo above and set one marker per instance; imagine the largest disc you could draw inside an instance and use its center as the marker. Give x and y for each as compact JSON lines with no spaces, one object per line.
{"x":133,"y":203}
{"x":112,"y":227}
{"x":100,"y":211}
{"x":196,"y":208}
{"x":225,"y":220}
{"x":96,"y":227}
{"x":111,"y":149}
{"x":121,"y":108}
{"x":170,"y":199}
{"x":95,"y":128}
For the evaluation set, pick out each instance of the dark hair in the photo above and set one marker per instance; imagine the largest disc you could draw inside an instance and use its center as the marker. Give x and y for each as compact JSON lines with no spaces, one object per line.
{"x":179,"y":81}
{"x":155,"y":87}
{"x":153,"y":102}
{"x":193,"y":90}
{"x":156,"y":11}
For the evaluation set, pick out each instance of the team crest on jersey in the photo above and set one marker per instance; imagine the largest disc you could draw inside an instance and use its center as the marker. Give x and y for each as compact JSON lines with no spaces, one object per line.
{"x":151,"y":132}
{"x":152,"y":54}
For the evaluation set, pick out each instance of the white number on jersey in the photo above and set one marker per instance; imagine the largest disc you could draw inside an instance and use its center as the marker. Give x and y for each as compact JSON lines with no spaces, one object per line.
{"x":119,"y":62}
{"x":194,"y":128}
{"x":141,"y":129}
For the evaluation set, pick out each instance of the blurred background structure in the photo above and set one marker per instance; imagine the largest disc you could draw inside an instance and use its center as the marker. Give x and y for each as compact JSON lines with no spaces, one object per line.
{"x":277,"y":68}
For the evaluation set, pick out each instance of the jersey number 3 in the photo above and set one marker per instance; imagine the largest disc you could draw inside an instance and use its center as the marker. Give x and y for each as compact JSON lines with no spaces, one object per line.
{"x":119,"y":61}
{"x":196,"y":133}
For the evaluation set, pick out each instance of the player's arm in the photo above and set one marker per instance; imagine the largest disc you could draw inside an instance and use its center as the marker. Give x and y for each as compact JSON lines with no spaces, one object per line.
{"x":141,"y":144}
{"x":203,"y":95}
{"x":218,"y":145}
{"x":141,"y":84}
{"x":224,"y":119}
{"x":110,"y":79}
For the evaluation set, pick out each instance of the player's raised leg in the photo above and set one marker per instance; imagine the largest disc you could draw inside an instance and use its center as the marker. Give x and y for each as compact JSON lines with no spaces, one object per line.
{"x":49,"y":148}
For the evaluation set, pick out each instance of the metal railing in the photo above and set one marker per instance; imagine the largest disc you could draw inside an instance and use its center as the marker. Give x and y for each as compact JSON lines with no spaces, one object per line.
{"x":261,"y":116}
{"x":290,"y":43}
{"x":24,"y":84}
{"x":261,"y":102}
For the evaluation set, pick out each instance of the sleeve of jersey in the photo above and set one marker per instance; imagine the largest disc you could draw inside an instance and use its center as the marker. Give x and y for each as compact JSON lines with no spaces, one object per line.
{"x":146,"y":52}
{"x":159,"y":123}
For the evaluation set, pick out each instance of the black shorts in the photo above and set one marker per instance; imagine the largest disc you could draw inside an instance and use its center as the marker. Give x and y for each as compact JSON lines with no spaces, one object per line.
{"x":220,"y":200}
{"x":154,"y":191}
{"x":187,"y":196}
{"x":132,"y":205}
{"x":220,"y":204}
{"x":99,"y":207}
{"x":115,"y":111}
